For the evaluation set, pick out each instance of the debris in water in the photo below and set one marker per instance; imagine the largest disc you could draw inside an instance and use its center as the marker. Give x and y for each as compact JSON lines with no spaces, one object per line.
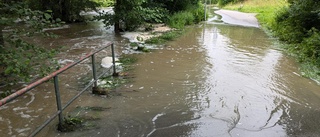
{"x":107,"y":62}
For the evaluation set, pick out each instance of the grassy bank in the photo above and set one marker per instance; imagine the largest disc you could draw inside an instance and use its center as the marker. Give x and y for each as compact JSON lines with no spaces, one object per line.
{"x":266,"y":9}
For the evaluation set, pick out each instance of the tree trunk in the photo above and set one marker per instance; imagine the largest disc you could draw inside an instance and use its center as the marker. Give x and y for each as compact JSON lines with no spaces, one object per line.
{"x":1,"y":52}
{"x":116,"y":16}
{"x":1,"y":39}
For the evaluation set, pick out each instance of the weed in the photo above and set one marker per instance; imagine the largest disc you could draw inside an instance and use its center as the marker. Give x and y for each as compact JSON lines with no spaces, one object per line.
{"x":181,"y":19}
{"x":168,"y":36}
{"x":70,"y":124}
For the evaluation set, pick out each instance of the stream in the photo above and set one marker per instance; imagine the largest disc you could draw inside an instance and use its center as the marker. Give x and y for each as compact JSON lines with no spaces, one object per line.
{"x":216,"y":80}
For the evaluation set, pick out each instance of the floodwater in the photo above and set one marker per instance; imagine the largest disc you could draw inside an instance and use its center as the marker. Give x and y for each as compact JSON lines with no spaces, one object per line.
{"x":216,"y":80}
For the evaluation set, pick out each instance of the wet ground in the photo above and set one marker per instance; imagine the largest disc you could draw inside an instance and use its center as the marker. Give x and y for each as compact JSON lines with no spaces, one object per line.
{"x":216,"y":80}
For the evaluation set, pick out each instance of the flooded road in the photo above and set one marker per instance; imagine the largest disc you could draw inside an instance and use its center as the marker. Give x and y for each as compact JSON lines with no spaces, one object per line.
{"x":216,"y":80}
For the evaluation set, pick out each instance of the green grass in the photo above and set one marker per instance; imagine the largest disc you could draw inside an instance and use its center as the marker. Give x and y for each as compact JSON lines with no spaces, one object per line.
{"x":167,"y":36}
{"x":266,"y":9}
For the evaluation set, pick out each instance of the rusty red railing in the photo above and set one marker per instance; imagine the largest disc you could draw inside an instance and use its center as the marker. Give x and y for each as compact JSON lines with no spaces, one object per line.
{"x":54,"y":75}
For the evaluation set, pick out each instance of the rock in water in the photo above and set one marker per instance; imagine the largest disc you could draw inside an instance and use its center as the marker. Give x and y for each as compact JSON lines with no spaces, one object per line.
{"x":100,"y":91}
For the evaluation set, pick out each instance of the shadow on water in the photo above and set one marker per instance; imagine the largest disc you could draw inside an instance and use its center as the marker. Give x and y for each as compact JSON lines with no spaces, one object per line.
{"x":215,"y":80}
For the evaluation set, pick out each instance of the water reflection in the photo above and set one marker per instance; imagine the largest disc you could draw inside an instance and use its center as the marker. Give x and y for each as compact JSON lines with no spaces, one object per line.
{"x":247,"y":92}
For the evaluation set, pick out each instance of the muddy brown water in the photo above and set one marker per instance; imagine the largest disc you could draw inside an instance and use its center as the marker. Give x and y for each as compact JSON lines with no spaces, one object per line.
{"x":216,"y":80}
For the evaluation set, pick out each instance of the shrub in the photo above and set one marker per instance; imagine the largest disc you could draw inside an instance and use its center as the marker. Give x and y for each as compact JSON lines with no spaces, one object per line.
{"x":294,"y":22}
{"x":298,"y":25}
{"x":194,"y":14}
{"x":105,"y":3}
{"x":225,"y":2}
{"x":181,"y":19}
{"x":164,"y":37}
{"x":198,"y":12}
{"x":310,"y":46}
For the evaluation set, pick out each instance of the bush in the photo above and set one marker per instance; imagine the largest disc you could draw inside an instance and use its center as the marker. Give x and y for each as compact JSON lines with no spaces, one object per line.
{"x":310,"y":47}
{"x":174,"y":6}
{"x":66,"y":10}
{"x":198,"y":12}
{"x":298,"y":25}
{"x":105,"y":3}
{"x":225,"y":2}
{"x":194,"y":14}
{"x":181,"y":19}
{"x":294,"y":22}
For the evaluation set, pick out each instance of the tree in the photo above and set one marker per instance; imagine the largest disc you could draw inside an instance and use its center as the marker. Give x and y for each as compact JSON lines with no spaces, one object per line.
{"x":1,"y":38}
{"x":130,"y":14}
{"x":19,"y":58}
{"x":66,"y":10}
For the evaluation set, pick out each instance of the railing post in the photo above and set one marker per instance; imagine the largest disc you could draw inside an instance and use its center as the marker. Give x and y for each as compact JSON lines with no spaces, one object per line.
{"x":205,"y":10}
{"x":94,"y":70}
{"x":113,"y":60}
{"x":58,"y":100}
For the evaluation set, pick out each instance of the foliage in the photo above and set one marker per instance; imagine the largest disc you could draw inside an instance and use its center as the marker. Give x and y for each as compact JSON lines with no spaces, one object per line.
{"x":225,"y":2}
{"x":20,"y":59}
{"x":66,"y":10}
{"x":213,"y":2}
{"x":297,"y":19}
{"x":190,"y":16}
{"x":105,"y":3}
{"x":298,"y":25}
{"x":310,"y":46}
{"x":180,"y":19}
{"x":131,"y":14}
{"x":198,"y":12}
{"x":153,"y":15}
{"x":71,"y":124}
{"x":174,"y":6}
{"x":127,"y":61}
{"x":210,"y":1}
{"x":167,"y":36}
{"x":111,"y":82}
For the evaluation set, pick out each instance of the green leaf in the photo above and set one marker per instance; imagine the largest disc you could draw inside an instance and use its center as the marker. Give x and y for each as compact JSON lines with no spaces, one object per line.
{"x":8,"y":70}
{"x":58,"y":20}
{"x":47,"y":16}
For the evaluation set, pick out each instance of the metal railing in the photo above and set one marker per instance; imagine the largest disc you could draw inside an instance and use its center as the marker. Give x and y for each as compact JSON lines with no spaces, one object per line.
{"x":54,"y":75}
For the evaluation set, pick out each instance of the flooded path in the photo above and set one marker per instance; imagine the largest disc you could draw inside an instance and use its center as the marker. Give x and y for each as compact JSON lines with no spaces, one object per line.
{"x":216,"y":80}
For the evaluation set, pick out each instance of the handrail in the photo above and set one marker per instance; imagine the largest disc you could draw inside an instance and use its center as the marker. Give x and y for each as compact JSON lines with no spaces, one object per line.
{"x":54,"y":75}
